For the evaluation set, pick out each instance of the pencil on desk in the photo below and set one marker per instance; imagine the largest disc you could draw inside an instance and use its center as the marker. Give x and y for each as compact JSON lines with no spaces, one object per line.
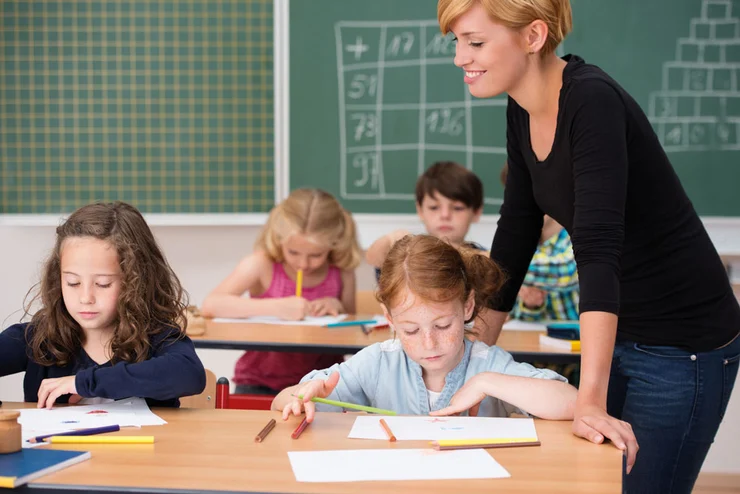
{"x":299,"y":283}
{"x":265,"y":431}
{"x":79,"y":432}
{"x":299,"y":430}
{"x":387,"y":430}
{"x":351,"y":406}
{"x":100,"y":439}
{"x":447,"y":444}
{"x":343,"y":324}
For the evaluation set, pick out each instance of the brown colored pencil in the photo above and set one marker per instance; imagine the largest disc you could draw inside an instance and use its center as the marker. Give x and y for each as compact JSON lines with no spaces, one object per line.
{"x":437,"y":446}
{"x":387,"y":430}
{"x":265,"y":431}
{"x":299,"y":430}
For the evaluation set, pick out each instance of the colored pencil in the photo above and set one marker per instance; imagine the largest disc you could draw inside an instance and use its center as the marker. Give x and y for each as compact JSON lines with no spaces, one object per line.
{"x":100,"y":439}
{"x":299,"y":430}
{"x":343,"y":324}
{"x":447,"y":444}
{"x":299,"y":283}
{"x":387,"y":430}
{"x":79,"y":432}
{"x":351,"y":406}
{"x":265,"y":431}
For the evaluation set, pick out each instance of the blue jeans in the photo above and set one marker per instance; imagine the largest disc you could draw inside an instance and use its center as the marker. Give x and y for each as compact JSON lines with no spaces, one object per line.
{"x":674,"y":400}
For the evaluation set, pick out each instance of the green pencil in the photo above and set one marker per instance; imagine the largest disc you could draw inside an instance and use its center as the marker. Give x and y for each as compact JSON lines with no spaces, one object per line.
{"x":351,"y":406}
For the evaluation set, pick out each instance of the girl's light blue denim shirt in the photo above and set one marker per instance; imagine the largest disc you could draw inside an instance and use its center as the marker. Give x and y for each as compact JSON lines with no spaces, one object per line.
{"x":383,"y":376}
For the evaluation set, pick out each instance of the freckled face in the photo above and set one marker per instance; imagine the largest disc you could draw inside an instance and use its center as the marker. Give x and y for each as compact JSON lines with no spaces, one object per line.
{"x":432,"y":333}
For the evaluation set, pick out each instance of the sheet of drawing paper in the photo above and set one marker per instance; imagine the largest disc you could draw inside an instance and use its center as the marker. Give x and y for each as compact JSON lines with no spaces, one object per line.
{"x":435,"y":428}
{"x":393,"y":464}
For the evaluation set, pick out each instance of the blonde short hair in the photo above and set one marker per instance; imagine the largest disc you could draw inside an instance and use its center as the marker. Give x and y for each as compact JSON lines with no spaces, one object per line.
{"x":515,"y":14}
{"x":317,"y":214}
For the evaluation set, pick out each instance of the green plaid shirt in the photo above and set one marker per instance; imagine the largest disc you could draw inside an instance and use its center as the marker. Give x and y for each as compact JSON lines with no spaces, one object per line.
{"x":553,"y":269}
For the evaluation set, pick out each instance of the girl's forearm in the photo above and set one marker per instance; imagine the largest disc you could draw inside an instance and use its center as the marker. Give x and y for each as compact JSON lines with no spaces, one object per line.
{"x":543,"y":398}
{"x":227,"y":305}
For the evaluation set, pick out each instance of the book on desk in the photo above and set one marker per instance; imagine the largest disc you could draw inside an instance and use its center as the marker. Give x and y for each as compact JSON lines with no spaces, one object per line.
{"x":29,"y":464}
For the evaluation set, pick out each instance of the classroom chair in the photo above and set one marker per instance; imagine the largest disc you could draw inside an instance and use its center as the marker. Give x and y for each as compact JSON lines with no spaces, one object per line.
{"x":207,"y":399}
{"x":366,"y":303}
{"x":240,"y":402}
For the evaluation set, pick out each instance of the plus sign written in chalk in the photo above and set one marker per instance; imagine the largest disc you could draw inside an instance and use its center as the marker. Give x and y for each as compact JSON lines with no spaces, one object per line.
{"x":358,"y":48}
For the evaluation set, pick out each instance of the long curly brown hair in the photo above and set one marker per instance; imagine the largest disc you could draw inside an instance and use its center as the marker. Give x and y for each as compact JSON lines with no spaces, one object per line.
{"x":151,"y":299}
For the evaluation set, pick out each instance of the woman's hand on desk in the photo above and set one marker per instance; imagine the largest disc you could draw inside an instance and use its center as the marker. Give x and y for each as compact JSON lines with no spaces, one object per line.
{"x":317,"y":388}
{"x":292,"y":308}
{"x":325,"y":306}
{"x":593,"y":423}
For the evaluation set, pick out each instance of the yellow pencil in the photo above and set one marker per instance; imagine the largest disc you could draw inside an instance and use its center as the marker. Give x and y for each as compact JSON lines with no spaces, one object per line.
{"x":100,"y":439}
{"x":484,"y":443}
{"x":299,"y":283}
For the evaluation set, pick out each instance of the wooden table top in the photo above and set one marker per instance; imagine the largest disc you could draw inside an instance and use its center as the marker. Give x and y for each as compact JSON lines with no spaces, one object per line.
{"x":524,"y":345}
{"x":214,"y":450}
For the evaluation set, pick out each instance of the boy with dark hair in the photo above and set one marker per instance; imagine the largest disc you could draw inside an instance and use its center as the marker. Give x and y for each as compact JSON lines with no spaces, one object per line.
{"x":449,"y":198}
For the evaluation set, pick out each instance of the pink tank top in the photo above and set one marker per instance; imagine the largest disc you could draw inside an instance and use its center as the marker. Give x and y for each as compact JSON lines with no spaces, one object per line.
{"x":278,"y":370}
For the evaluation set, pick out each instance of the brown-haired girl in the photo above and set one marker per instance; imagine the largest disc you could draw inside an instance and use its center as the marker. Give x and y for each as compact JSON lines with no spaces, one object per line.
{"x":429,"y":291}
{"x":308,"y":232}
{"x":110,"y":323}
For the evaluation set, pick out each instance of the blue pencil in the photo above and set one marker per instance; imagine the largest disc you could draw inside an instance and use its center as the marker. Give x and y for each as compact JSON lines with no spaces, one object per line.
{"x":350,"y":323}
{"x":79,"y":432}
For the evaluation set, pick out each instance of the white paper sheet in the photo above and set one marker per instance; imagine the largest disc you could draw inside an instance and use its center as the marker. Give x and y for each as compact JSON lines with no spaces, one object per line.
{"x":131,"y":412}
{"x":518,"y":325}
{"x":308,"y":321}
{"x":393,"y":464}
{"x":435,"y":428}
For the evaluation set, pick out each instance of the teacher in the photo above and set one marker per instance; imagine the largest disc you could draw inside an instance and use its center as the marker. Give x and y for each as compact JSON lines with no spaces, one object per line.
{"x":659,"y":321}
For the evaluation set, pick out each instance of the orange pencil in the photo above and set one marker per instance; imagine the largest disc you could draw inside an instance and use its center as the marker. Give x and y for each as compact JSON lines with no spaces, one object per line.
{"x":387,"y":430}
{"x":299,"y":430}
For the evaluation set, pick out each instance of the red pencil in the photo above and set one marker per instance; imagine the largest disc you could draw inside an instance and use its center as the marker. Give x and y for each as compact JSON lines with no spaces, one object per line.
{"x":299,"y":430}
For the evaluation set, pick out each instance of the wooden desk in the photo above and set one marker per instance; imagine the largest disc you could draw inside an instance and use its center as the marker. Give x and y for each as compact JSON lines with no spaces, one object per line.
{"x":214,"y":450}
{"x":523,"y":345}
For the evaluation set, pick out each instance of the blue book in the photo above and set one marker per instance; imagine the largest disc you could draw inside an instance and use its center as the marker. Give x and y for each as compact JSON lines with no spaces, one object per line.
{"x":30,"y":463}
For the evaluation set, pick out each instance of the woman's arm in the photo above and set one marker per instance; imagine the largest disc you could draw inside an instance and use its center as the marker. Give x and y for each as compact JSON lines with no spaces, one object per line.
{"x":488,"y":325}
{"x":226,"y":299}
{"x":599,"y":151}
{"x":520,"y":224}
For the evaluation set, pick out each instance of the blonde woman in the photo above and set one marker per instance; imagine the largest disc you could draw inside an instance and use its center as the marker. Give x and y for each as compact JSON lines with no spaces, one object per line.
{"x":659,"y":322}
{"x":308,"y":231}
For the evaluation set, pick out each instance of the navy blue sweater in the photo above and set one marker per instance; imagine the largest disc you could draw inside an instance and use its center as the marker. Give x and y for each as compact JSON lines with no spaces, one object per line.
{"x":172,"y":370}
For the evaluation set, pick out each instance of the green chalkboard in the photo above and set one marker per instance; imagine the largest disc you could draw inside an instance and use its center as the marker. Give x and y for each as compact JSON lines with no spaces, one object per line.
{"x":375,"y":98}
{"x":166,"y":104}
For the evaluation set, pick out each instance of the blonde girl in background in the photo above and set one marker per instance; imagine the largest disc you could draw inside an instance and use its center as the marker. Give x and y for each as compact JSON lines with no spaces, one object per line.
{"x":308,"y":232}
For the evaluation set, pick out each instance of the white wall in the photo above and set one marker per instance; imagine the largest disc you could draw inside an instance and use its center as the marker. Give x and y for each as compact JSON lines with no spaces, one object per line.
{"x":203,"y":255}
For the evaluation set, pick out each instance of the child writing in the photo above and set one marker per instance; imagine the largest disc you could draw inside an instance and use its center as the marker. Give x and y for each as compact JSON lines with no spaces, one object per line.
{"x":111,"y":319}
{"x":550,"y":289}
{"x":449,"y":198}
{"x":308,"y":232}
{"x":429,"y":290}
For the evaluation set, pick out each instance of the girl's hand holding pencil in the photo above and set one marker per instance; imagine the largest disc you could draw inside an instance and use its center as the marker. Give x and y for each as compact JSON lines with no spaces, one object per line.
{"x":292,"y":308}
{"x":317,"y":388}
{"x":325,"y":306}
